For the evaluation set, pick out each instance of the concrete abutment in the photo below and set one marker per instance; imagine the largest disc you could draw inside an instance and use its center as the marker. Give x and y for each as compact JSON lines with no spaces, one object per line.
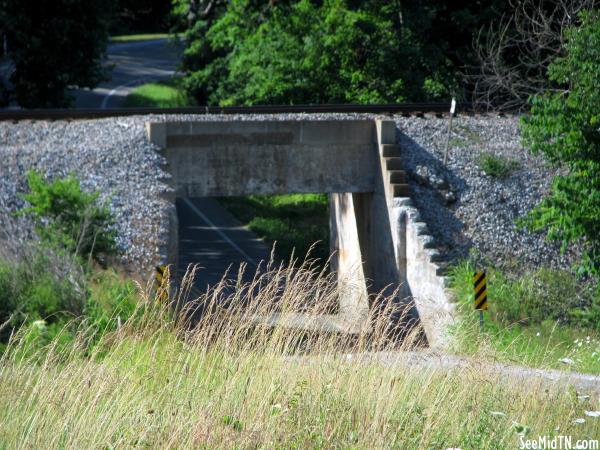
{"x":379,"y":245}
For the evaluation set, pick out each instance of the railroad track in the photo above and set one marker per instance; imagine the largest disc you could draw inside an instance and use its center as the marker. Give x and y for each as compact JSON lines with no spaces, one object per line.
{"x":406,"y":109}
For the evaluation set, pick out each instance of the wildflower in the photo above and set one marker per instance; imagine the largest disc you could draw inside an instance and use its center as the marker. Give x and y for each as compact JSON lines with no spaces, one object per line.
{"x":592,"y":413}
{"x":579,"y":421}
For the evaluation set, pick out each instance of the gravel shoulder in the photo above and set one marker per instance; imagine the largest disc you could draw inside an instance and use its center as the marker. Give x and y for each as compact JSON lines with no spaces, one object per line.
{"x":465,"y":209}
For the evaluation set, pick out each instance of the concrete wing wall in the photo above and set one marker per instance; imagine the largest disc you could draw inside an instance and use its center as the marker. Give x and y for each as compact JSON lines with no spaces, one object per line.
{"x":250,"y":157}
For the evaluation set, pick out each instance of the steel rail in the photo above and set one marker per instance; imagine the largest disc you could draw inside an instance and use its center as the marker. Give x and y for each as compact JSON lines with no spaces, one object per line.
{"x":407,"y":109}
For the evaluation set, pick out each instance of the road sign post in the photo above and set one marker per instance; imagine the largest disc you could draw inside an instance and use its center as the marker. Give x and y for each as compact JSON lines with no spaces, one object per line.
{"x":452,"y":110}
{"x":161,"y":283}
{"x":480,"y":294}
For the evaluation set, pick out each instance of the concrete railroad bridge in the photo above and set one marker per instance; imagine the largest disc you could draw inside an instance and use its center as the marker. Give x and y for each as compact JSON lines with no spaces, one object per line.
{"x":378,"y":242}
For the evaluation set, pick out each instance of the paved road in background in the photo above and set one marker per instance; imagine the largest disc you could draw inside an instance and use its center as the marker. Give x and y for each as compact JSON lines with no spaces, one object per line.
{"x":208,"y":235}
{"x":135,"y":63}
{"x":214,"y":239}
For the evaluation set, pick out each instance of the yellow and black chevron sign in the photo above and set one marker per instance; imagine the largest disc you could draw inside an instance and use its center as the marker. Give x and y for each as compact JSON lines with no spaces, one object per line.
{"x":161,"y":283}
{"x":480,"y":287}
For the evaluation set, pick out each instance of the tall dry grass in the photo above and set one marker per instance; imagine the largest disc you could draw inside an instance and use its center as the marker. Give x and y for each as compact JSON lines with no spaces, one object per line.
{"x":230,"y":382}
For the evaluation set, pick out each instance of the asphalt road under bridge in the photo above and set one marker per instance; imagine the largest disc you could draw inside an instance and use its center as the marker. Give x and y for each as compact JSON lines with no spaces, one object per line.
{"x":215,"y":240}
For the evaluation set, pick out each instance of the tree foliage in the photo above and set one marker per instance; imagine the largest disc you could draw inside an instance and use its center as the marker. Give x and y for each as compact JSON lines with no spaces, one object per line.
{"x":54,"y":44}
{"x":564,"y":125}
{"x":330,"y":51}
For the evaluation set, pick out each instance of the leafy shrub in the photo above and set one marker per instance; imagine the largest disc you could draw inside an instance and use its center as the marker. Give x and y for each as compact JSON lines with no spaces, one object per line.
{"x":47,"y":283}
{"x":69,"y":218}
{"x":496,"y":166}
{"x":564,"y":126}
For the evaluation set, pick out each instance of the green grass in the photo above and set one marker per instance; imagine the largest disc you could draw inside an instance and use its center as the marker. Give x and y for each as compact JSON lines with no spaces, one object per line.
{"x":152,"y":383}
{"x":497,"y":166}
{"x":159,"y":94}
{"x":295,"y":221}
{"x":141,"y":37}
{"x":540,"y":319}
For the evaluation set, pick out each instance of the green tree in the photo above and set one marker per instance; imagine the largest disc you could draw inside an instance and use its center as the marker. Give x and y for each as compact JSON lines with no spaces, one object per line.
{"x":564,"y":125}
{"x":310,"y":54}
{"x":250,"y":52}
{"x":54,"y":44}
{"x":69,"y":218}
{"x":310,"y":51}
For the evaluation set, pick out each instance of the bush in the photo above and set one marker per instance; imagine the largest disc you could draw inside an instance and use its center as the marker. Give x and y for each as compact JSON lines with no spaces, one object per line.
{"x":48,"y":283}
{"x":564,"y":126}
{"x":496,"y":166}
{"x":68,"y":218}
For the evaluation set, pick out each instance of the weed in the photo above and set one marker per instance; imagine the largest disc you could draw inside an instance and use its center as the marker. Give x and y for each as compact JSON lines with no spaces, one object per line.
{"x":496,"y":166}
{"x":458,"y":142}
{"x":52,"y":291}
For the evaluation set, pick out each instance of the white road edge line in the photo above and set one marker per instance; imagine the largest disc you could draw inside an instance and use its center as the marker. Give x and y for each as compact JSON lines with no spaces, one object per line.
{"x":114,"y":91}
{"x":219,"y":232}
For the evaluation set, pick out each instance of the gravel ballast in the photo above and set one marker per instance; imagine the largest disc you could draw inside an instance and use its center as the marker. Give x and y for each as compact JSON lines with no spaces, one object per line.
{"x":470,"y":211}
{"x":464,"y":207}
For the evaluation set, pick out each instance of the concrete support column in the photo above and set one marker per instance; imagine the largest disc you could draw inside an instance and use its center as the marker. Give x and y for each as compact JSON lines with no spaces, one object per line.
{"x":347,"y":260}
